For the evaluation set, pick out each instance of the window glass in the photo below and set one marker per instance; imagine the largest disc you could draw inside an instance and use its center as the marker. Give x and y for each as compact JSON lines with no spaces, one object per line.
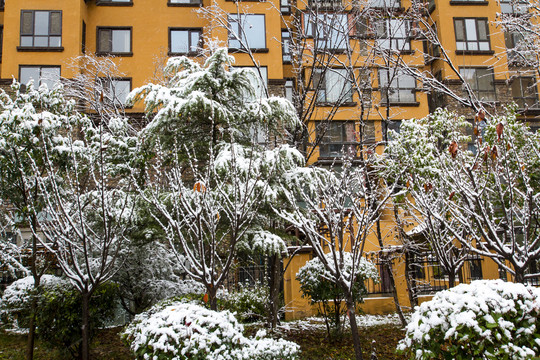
{"x":184,"y":41}
{"x":330,"y":31}
{"x":286,"y":45}
{"x":481,"y":81}
{"x":49,"y":75}
{"x":472,"y":34}
{"x":117,"y":90}
{"x":392,"y":34}
{"x":336,"y":138}
{"x":114,"y":40}
{"x":41,"y":28}
{"x":397,"y":87}
{"x":247,"y":30}
{"x":332,"y":85}
{"x":524,"y":92}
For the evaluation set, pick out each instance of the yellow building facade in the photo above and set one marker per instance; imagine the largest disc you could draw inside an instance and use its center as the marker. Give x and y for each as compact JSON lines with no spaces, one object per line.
{"x":301,"y":59}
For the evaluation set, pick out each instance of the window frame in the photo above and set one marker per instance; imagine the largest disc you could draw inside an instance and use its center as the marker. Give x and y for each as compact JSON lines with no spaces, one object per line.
{"x":286,"y":42}
{"x":41,"y":67}
{"x":99,"y":29}
{"x":397,"y":89}
{"x":199,"y":44}
{"x":514,"y":7}
{"x":326,"y":142}
{"x":466,"y":42}
{"x":344,"y":98}
{"x":107,"y":86}
{"x":242,"y":33}
{"x":114,"y":2}
{"x":532,"y":93}
{"x":184,"y":3}
{"x":33,"y":35}
{"x":322,"y":33}
{"x":475,"y":89}
{"x":384,"y":33}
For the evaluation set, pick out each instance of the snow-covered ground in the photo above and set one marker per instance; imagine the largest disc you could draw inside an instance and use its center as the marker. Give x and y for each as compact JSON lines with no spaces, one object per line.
{"x":317,"y":323}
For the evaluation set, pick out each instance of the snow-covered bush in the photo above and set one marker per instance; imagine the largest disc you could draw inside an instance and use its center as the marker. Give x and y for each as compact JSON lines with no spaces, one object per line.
{"x":16,"y":300}
{"x":317,"y":283}
{"x":487,"y":319}
{"x":249,"y":302}
{"x":188,"y":331}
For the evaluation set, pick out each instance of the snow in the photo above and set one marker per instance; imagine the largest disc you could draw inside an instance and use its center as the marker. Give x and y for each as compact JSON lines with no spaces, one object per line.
{"x":185,"y":330}
{"x":497,"y":315}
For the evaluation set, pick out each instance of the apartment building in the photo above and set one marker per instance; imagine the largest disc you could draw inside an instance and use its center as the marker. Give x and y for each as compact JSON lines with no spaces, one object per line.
{"x":354,"y":70}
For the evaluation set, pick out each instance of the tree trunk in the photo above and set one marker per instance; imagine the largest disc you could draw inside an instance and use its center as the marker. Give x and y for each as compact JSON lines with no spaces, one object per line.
{"x":274,"y":282}
{"x":85,"y":326}
{"x":519,"y":276}
{"x":354,"y":330}
{"x":451,"y":279}
{"x":33,"y":308}
{"x":388,"y":265}
{"x":212,"y":292}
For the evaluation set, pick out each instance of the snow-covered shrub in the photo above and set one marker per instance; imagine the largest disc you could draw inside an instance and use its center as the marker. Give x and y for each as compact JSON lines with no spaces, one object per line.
{"x":487,"y":319}
{"x":317,"y":283}
{"x":249,"y":302}
{"x":59,"y":305}
{"x":188,"y":331}
{"x":17,"y":298}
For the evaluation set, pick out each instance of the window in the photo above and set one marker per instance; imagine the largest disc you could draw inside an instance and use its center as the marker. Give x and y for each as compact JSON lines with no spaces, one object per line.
{"x":332,"y":85}
{"x":114,"y":2}
{"x":514,"y":6}
{"x":115,"y":41}
{"x":385,"y":4}
{"x":518,"y":50}
{"x":397,"y":87}
{"x":392,"y":34}
{"x":336,"y":138}
{"x":285,"y":6}
{"x":1,"y":41}
{"x":472,"y":34}
{"x":524,"y":92}
{"x":49,"y":75}
{"x":330,"y":31}
{"x":184,"y":2}
{"x":259,"y":77}
{"x":286,"y":45}
{"x":117,"y":90}
{"x":481,"y":81}
{"x":185,"y":41}
{"x":289,"y":90}
{"x":41,"y":29}
{"x":247,"y":31}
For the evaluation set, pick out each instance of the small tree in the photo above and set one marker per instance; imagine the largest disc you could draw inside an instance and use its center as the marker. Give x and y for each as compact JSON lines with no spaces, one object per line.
{"x":316,"y":282}
{"x":208,"y":189}
{"x":336,"y":210}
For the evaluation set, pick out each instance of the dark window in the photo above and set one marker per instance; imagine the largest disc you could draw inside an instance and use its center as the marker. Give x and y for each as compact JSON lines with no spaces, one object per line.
{"x":49,"y":75}
{"x":336,"y":138}
{"x":472,"y":34}
{"x":115,"y":41}
{"x":247,"y":31}
{"x":286,"y":45}
{"x":83,"y":44}
{"x":397,"y":87}
{"x":114,"y":2}
{"x":525,"y":93}
{"x":1,"y":41}
{"x":476,"y":269}
{"x":41,"y":28}
{"x":481,"y":81}
{"x":332,"y":85}
{"x":185,"y":41}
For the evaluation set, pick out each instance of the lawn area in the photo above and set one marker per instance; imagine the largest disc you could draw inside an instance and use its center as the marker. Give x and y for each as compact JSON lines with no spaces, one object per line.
{"x":377,"y":333}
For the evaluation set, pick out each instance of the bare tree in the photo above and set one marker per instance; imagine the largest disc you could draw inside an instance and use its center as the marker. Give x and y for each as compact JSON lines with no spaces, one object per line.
{"x":337,"y":212}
